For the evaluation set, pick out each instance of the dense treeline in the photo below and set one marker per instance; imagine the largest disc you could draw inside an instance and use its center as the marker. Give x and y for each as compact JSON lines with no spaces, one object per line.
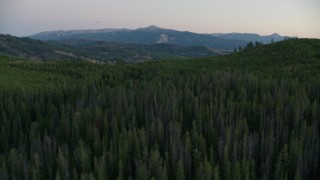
{"x":251,"y":115}
{"x":101,"y":51}
{"x":129,"y":52}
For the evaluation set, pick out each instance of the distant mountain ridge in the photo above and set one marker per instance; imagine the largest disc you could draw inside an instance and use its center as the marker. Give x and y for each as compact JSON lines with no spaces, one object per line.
{"x":251,"y":37}
{"x":155,"y":35}
{"x":147,"y":35}
{"x":61,"y":34}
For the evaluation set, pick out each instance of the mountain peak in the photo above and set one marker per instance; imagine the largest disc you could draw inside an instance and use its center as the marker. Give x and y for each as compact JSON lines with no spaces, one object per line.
{"x":152,"y":27}
{"x":275,"y":35}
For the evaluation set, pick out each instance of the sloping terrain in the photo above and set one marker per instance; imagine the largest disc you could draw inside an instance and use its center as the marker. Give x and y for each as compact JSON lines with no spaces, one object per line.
{"x":249,"y":115}
{"x":131,"y":52}
{"x":27,"y":48}
{"x":98,"y":50}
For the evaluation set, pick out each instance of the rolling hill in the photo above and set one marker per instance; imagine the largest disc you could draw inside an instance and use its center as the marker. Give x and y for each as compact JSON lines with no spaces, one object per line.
{"x":98,"y":51}
{"x":28,"y":48}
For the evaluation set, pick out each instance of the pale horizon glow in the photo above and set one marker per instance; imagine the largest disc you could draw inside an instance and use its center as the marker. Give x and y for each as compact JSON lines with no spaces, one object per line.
{"x":286,"y":17}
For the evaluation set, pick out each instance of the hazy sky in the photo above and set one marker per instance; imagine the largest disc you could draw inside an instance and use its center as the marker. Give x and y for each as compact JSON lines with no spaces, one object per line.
{"x":287,"y":17}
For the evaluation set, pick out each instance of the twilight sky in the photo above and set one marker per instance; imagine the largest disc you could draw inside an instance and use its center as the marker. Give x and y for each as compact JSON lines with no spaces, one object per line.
{"x":287,"y":17}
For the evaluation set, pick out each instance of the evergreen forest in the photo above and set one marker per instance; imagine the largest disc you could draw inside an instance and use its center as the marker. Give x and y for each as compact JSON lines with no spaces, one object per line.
{"x":253,"y":114}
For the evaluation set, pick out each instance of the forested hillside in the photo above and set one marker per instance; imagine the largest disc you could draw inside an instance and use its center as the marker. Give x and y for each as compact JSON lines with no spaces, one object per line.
{"x":249,"y":115}
{"x":131,"y":53}
{"x":28,"y":48}
{"x":98,"y":51}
